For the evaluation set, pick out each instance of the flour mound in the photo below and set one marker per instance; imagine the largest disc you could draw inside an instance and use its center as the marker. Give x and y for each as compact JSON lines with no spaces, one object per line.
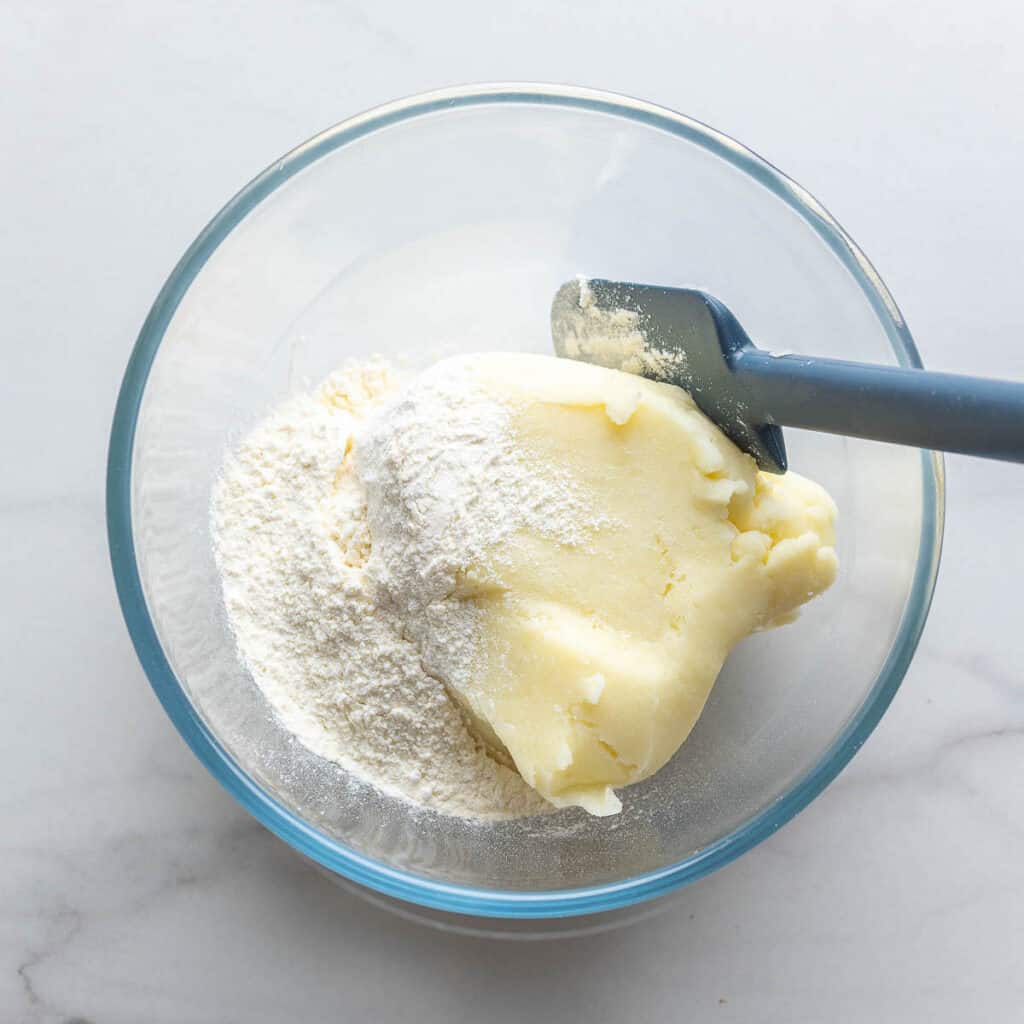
{"x":319,"y":588}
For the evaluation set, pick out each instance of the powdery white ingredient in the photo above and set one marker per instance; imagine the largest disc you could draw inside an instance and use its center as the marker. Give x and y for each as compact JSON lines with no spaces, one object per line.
{"x":329,"y":643}
{"x":615,"y":338}
{"x":446,"y":484}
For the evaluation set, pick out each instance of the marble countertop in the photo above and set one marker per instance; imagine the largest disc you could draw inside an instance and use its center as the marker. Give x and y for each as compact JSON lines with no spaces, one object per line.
{"x":133,"y":888}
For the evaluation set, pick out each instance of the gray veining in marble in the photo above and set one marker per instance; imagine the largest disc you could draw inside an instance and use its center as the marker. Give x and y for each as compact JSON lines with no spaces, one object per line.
{"x":132,"y":888}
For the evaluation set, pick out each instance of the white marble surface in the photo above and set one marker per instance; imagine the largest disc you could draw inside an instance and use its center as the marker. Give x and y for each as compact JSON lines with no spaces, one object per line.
{"x":133,"y":889}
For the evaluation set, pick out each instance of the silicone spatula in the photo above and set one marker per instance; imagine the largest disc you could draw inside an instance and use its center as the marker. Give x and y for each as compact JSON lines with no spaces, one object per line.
{"x":695,"y":342}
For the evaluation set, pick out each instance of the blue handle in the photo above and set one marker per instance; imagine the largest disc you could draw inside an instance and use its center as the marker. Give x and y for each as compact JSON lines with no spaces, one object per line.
{"x":941,"y":411}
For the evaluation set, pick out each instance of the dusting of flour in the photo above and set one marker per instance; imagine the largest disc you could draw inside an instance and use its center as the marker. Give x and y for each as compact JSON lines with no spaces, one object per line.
{"x":614,"y":338}
{"x":446,"y":484}
{"x":341,"y":525}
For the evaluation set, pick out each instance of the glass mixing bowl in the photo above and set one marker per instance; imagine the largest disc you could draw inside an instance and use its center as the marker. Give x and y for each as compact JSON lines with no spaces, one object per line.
{"x":444,"y":223}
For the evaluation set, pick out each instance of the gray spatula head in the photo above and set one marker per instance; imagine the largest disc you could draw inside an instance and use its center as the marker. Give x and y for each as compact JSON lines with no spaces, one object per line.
{"x":676,"y":335}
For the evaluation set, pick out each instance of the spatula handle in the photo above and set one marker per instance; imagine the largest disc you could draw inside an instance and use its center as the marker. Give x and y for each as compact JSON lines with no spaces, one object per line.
{"x":941,"y":411}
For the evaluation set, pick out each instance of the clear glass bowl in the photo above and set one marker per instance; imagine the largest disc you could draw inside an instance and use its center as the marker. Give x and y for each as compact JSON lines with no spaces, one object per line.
{"x":446,"y":222}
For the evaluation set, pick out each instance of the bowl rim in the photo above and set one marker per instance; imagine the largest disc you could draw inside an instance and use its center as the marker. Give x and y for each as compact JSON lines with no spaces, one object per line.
{"x":335,"y":855}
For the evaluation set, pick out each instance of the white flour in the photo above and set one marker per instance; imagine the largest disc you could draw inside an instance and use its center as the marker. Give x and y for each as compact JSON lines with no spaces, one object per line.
{"x":339,"y":609}
{"x":445,"y":485}
{"x":614,"y":338}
